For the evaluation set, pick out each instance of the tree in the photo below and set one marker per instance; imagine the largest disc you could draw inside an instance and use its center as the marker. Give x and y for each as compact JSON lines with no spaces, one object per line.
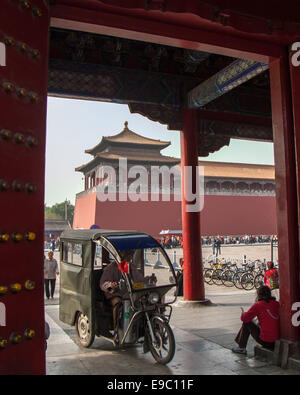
{"x":58,"y":211}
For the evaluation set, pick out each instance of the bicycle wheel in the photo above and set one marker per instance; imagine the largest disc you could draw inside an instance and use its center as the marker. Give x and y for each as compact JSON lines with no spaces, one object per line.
{"x":217,"y":276}
{"x":237,"y":280}
{"x":227,"y":278}
{"x":258,"y":280}
{"x":208,"y":276}
{"x":247,"y":281}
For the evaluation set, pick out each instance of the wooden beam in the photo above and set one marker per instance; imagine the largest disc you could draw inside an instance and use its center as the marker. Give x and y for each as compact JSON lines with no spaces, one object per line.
{"x":102,"y":20}
{"x":234,"y":117}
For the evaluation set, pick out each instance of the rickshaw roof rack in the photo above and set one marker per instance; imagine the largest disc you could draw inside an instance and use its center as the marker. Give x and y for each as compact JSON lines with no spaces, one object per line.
{"x":94,"y":234}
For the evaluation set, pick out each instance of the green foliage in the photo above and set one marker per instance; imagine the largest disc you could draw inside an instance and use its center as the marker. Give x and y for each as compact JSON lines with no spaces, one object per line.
{"x":57,"y":211}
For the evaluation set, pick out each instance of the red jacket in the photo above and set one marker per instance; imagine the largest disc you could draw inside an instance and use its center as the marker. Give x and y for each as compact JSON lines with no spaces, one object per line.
{"x":268,"y":318}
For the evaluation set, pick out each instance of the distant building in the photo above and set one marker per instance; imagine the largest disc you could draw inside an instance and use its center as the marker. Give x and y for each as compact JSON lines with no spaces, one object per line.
{"x":238,"y":198}
{"x":138,"y":150}
{"x":54,"y":228}
{"x":238,"y":179}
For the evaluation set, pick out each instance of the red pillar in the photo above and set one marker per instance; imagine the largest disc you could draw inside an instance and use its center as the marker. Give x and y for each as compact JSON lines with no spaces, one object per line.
{"x":23,"y":102}
{"x":295,"y":86}
{"x":286,"y":195}
{"x":192,"y":253}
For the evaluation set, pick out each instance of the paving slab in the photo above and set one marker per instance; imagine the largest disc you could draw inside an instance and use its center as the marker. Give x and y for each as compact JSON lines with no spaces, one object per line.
{"x":204,"y":338}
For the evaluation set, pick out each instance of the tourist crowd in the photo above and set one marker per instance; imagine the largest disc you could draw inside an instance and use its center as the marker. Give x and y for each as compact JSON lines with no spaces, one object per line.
{"x":175,"y":241}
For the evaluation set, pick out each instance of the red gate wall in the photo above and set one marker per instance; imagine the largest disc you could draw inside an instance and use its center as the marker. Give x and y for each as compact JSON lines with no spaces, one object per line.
{"x":222,"y":215}
{"x":23,"y":100}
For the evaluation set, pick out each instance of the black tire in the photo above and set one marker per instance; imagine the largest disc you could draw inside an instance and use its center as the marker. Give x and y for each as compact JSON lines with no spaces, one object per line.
{"x":237,"y":280}
{"x":247,"y":281}
{"x":208,"y":276}
{"x":258,"y":281}
{"x":165,"y":341}
{"x":227,"y":278}
{"x":84,"y":330}
{"x":217,"y":276}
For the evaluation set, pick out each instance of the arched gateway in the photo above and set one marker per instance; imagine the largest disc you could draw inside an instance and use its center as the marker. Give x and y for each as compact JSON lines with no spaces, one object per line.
{"x":210,"y":70}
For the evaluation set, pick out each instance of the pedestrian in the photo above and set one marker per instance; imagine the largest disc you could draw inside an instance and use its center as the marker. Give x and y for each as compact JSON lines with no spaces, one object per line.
{"x":180,"y":279}
{"x":271,"y":279}
{"x":266,"y":332}
{"x":50,"y":273}
{"x":213,"y":244}
{"x":218,"y":246}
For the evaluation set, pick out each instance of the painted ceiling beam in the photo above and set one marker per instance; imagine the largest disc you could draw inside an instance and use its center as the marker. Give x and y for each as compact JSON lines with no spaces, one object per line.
{"x":232,"y":76}
{"x":112,"y":84}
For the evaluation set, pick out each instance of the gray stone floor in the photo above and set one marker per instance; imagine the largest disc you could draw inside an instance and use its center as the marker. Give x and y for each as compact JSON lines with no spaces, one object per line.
{"x":204,"y":337}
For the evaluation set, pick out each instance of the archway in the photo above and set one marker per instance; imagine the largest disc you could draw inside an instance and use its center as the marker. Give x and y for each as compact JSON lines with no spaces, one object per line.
{"x":201,"y":27}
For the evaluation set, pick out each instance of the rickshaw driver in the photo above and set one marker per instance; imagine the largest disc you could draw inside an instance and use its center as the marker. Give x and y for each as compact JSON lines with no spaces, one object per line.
{"x":109,"y":283}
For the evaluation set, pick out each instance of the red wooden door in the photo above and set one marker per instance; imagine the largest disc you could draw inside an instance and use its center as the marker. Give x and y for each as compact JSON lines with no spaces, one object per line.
{"x":24,"y":26}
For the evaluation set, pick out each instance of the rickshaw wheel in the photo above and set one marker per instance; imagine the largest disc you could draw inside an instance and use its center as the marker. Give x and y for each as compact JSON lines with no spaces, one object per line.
{"x":84,"y":330}
{"x":164,"y":349}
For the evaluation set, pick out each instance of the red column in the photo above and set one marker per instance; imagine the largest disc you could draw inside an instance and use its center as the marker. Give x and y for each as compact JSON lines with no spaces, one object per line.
{"x":295,"y":85}
{"x":192,"y":253}
{"x":23,"y":102}
{"x":286,"y":195}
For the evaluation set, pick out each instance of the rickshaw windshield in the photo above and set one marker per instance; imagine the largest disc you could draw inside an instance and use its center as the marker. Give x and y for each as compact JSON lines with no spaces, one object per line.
{"x":144,"y":260}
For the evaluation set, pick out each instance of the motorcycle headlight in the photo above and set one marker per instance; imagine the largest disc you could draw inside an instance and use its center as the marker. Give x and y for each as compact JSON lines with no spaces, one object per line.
{"x":153,"y":298}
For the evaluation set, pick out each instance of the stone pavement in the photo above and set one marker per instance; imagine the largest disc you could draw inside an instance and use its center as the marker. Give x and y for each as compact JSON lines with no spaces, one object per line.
{"x":204,"y":337}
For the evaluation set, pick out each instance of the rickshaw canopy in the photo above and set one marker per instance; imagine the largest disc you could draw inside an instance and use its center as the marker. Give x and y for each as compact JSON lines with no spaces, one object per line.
{"x":121,"y":240}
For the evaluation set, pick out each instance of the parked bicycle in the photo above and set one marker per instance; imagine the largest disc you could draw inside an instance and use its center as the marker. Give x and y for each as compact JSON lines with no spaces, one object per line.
{"x":259,"y":278}
{"x":212,"y":274}
{"x":245,"y":276}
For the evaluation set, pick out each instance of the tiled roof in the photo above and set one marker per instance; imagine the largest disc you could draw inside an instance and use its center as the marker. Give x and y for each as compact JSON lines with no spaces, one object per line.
{"x":127,"y":136}
{"x":237,"y":170}
{"x":56,"y":225}
{"x":141,"y":158}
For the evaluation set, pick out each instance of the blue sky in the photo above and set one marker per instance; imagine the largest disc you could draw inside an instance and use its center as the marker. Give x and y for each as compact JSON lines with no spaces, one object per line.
{"x":76,"y":125}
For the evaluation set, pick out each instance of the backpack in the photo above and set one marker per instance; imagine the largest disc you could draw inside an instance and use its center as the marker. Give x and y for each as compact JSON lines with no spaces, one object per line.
{"x":272,"y":279}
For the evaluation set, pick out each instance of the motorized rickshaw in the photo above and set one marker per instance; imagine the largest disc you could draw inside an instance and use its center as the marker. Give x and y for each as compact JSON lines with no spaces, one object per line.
{"x":145,"y":310}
